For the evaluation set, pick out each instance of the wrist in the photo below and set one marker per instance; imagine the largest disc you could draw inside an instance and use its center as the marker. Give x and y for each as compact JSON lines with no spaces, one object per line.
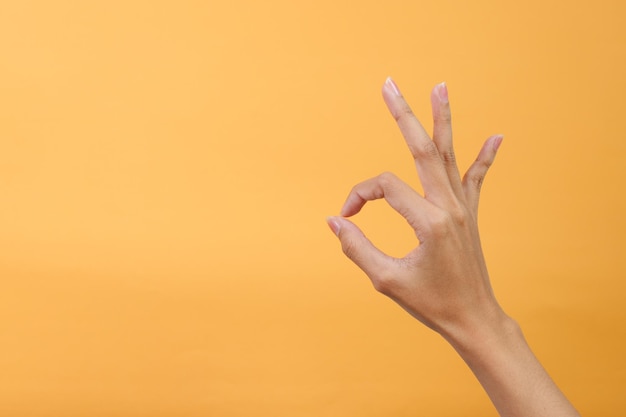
{"x":482,"y":336}
{"x":496,"y":351}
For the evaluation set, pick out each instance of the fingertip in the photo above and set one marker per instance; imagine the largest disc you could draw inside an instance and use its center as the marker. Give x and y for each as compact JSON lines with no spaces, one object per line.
{"x":391,"y":87}
{"x":441,"y":90}
{"x":348,"y":211}
{"x":352,"y":205}
{"x":394,"y":100}
{"x":334,"y":224}
{"x":496,"y":141}
{"x":441,"y":107}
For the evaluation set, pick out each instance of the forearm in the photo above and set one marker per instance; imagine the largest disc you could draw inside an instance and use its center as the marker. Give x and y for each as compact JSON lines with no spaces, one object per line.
{"x":500,"y":358}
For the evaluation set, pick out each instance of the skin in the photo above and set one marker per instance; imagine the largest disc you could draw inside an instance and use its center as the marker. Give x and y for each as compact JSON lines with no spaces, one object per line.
{"x":444,"y":282}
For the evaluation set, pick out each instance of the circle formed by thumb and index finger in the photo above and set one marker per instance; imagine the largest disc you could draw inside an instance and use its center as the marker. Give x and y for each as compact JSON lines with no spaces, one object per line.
{"x":399,"y":195}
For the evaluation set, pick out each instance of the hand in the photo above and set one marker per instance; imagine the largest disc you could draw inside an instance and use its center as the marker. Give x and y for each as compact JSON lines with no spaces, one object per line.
{"x":443,"y":282}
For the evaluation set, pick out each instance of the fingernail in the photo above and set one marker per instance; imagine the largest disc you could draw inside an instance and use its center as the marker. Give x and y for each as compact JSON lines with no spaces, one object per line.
{"x":442,"y":91}
{"x":389,"y":84}
{"x":333,"y":224}
{"x":497,"y":141}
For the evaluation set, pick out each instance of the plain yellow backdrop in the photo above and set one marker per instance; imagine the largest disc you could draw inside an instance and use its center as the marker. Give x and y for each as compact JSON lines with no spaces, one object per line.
{"x":166,"y":168}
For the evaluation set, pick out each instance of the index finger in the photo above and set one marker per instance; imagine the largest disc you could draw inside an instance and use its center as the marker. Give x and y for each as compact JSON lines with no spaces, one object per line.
{"x":402,"y":198}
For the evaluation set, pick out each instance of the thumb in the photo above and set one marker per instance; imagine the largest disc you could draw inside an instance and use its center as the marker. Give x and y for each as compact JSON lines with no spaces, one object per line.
{"x":359,"y":248}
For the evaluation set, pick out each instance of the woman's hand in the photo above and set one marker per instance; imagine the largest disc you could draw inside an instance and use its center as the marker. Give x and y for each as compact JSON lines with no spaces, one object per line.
{"x":443,"y":282}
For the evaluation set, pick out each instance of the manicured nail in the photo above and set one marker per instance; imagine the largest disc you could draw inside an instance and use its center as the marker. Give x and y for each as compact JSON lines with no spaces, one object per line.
{"x":333,"y":224}
{"x":392,"y":87}
{"x":497,"y":141}
{"x":442,"y":91}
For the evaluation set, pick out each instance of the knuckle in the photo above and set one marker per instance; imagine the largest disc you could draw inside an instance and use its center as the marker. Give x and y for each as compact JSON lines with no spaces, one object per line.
{"x":349,"y":248}
{"x":485,"y":164}
{"x":449,"y":157}
{"x":478,"y":182}
{"x":441,"y":224}
{"x":387,"y":179}
{"x":464,"y":217}
{"x":384,"y":283}
{"x":355,"y":189}
{"x":476,"y":179}
{"x":425,"y":149}
{"x":403,"y":114}
{"x":478,"y":171}
{"x":444,"y":115}
{"x":458,"y":215}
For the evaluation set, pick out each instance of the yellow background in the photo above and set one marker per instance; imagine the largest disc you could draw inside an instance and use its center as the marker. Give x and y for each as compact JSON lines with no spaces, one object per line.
{"x":166,"y":168}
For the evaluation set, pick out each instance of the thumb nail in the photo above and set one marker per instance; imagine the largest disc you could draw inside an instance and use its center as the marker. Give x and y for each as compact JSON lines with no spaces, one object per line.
{"x":334,"y":224}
